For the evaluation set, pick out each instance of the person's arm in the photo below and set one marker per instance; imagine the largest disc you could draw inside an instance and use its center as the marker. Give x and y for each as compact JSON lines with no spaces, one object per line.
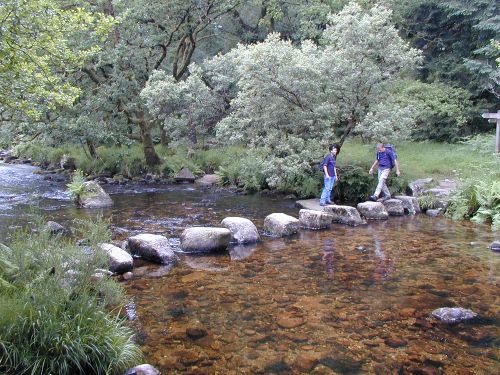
{"x":375,"y":163}
{"x":325,"y":169}
{"x":337,"y":174}
{"x":398,"y":172}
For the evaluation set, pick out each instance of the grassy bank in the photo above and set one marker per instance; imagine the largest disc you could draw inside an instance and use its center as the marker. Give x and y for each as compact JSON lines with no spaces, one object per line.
{"x":56,"y":317}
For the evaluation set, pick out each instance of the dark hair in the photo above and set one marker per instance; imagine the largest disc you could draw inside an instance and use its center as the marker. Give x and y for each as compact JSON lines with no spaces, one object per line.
{"x":335,"y":145}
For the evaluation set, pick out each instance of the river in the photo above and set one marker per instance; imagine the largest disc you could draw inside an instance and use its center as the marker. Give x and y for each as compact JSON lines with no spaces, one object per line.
{"x":339,"y":301}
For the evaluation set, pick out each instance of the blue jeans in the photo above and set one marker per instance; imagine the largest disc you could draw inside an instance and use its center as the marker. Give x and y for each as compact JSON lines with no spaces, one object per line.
{"x":327,"y":189}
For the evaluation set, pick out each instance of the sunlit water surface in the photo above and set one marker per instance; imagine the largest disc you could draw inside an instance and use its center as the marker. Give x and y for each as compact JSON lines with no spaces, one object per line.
{"x":339,"y":301}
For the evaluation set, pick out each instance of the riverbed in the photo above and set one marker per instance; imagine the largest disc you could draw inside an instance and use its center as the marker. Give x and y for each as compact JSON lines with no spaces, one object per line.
{"x":345,"y":300}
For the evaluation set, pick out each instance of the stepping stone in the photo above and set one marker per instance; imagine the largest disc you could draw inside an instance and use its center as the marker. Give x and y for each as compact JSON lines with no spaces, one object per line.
{"x":119,"y":260}
{"x":280,"y":225}
{"x":344,"y":215}
{"x":394,"y":207}
{"x":312,"y":219}
{"x":410,"y":204}
{"x":152,"y":247}
{"x":205,"y":239}
{"x":242,"y":230}
{"x":372,"y":211}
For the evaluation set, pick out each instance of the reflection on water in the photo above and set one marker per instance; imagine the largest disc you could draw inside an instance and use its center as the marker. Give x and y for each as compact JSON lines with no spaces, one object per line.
{"x":339,"y":301}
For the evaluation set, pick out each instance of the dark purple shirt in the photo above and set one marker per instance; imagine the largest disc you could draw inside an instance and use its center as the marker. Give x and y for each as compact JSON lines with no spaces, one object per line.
{"x":385,"y":160}
{"x":330,"y":162}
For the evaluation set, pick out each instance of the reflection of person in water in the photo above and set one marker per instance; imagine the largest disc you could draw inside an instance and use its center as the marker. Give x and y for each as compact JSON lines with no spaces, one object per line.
{"x":328,"y":253}
{"x":384,"y":265}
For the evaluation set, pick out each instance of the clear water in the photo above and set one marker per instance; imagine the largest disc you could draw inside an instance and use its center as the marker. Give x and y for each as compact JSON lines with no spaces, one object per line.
{"x":338,"y":301}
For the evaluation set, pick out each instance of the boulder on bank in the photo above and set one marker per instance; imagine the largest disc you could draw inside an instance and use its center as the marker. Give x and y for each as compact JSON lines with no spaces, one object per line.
{"x":208,"y":180}
{"x":280,"y":225}
{"x":416,"y":188}
{"x":152,"y":247}
{"x":242,"y":230}
{"x":344,"y":215}
{"x":312,"y":219}
{"x":394,"y":207}
{"x":373,"y":211}
{"x":55,"y":228}
{"x":410,"y":204}
{"x":452,"y":315}
{"x":119,"y":260}
{"x":94,"y":196}
{"x":184,"y":175}
{"x":205,"y":239}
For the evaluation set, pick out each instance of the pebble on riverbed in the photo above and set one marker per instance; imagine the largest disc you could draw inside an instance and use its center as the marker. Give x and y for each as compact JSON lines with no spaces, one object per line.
{"x":453,"y":315}
{"x":495,"y":246}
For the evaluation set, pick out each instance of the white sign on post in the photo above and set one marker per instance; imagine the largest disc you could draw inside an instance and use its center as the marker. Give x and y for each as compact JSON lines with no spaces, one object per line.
{"x":495,"y":116}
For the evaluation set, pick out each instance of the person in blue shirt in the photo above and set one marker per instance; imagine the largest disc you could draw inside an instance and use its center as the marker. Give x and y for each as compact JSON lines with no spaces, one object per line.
{"x":385,"y":160}
{"x":331,"y":174}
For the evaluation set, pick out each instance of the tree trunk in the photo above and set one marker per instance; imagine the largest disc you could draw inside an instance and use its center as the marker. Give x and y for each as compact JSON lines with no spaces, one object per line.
{"x":91,"y":147}
{"x":351,"y":124}
{"x":163,"y":136}
{"x":150,"y":154}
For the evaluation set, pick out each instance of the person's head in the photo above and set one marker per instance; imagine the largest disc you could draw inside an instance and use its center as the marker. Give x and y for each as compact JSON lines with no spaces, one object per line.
{"x":380,"y":147}
{"x":334,"y":149}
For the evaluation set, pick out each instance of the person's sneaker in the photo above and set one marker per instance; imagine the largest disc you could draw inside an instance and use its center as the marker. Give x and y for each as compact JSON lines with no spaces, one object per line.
{"x":373,"y":198}
{"x":330,"y":202}
{"x":322,"y":204}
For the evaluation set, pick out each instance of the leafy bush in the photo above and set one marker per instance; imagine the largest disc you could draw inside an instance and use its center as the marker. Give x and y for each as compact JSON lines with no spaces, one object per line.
{"x":174,"y":163}
{"x":478,"y":201}
{"x":53,"y":316}
{"x":354,"y":186}
{"x":75,"y":187}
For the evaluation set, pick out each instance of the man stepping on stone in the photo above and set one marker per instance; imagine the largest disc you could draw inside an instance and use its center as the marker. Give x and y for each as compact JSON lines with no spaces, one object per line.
{"x":328,"y":167}
{"x":386,"y":159}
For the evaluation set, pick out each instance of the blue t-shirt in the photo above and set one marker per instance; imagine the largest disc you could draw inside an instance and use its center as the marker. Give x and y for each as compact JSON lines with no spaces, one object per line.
{"x":385,"y":160}
{"x":330,"y":161}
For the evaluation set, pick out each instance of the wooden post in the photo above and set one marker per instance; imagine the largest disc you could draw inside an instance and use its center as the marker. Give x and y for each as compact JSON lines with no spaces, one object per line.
{"x":495,"y":116}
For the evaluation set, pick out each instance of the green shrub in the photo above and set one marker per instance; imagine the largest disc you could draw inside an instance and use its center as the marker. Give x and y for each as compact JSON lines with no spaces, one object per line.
{"x":53,"y":319}
{"x":355,"y":184}
{"x":76,"y":187}
{"x":174,"y":163}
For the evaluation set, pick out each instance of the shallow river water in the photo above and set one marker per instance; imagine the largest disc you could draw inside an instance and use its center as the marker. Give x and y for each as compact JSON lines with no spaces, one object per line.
{"x":339,"y":301}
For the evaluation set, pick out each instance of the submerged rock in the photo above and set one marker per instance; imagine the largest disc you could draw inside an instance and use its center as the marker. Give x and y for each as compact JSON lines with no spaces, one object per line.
{"x":94,"y":196}
{"x":410,"y":204}
{"x":205,"y":239}
{"x":452,"y":315}
{"x":119,"y":260}
{"x":144,"y":369}
{"x":279,"y":225}
{"x":495,"y":246}
{"x":344,"y":215}
{"x":312,"y":219}
{"x":152,"y":247}
{"x":242,"y":230}
{"x":372,"y":210}
{"x":394,"y":207}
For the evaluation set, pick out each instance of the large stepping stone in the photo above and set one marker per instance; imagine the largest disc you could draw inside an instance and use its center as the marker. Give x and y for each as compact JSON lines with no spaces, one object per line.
{"x":119,"y":260}
{"x":344,"y":215}
{"x":152,"y":247}
{"x":242,"y":230}
{"x":373,"y":211}
{"x":452,"y":315}
{"x":394,"y":207}
{"x":94,"y":196}
{"x":310,"y":204}
{"x":205,"y":239}
{"x":410,"y":204}
{"x":280,"y":225}
{"x":312,"y":219}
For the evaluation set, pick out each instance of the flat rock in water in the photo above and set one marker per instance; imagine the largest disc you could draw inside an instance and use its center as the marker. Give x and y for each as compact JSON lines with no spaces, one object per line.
{"x":185,"y":175}
{"x":410,"y":204}
{"x":310,"y":204}
{"x":312,"y":219}
{"x":242,"y":229}
{"x":280,"y":225}
{"x":394,"y":207}
{"x":344,"y":215}
{"x":433,"y":212}
{"x":152,"y":247}
{"x":453,"y":314}
{"x":205,"y":239}
{"x":372,"y":211}
{"x":495,"y":246}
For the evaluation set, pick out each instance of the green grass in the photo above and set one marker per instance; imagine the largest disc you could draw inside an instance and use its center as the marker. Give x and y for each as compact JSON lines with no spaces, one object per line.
{"x":55,"y":317}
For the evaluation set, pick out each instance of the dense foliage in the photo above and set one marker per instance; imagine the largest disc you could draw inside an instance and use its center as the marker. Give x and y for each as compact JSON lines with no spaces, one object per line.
{"x":54,"y":314}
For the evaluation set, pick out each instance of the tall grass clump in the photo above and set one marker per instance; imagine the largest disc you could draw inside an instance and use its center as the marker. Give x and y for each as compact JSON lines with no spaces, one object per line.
{"x":56,"y":317}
